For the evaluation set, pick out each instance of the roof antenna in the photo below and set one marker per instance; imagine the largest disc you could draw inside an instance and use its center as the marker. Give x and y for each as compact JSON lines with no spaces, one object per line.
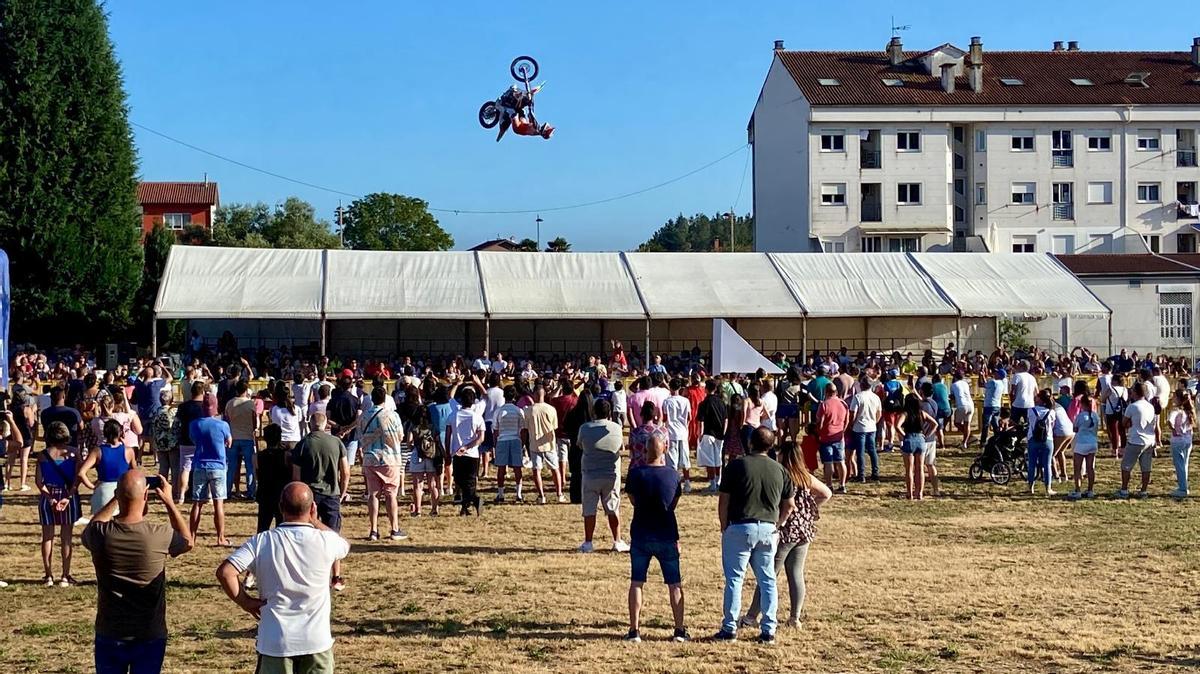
{"x":896,"y":29}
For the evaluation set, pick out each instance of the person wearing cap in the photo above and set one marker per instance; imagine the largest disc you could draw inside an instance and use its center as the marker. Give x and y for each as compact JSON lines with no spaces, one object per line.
{"x":993,"y":399}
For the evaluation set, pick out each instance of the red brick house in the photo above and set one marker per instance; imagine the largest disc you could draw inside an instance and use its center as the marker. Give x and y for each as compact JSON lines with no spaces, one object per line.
{"x":177,"y":205}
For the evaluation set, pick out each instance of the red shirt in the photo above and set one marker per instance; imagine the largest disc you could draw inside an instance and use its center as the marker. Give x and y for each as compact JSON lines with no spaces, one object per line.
{"x":832,"y":416}
{"x":563,"y":405}
{"x":810,"y":449}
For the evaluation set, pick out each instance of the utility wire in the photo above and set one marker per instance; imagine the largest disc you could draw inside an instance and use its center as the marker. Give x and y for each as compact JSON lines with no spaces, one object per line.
{"x":741,"y":183}
{"x":457,"y":211}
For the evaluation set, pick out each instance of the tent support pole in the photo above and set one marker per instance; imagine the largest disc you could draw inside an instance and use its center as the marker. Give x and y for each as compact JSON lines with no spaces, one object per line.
{"x":958,"y":333}
{"x":487,"y":334}
{"x":647,"y":356}
{"x":324,"y":335}
{"x":1110,"y":340}
{"x":154,"y":336}
{"x":803,"y":341}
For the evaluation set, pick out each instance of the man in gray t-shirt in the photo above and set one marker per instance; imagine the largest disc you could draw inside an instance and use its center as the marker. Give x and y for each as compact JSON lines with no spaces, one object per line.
{"x":601,"y":442}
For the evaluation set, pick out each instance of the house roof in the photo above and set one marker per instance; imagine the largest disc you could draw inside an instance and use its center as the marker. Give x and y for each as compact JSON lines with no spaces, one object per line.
{"x":178,"y":193}
{"x":1127,"y":264}
{"x":496,"y":244}
{"x":1046,"y":75}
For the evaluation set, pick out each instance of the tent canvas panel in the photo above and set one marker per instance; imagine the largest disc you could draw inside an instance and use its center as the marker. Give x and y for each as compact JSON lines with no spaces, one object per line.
{"x":402,"y":284}
{"x":558,"y":285}
{"x":710,"y":285}
{"x":856,"y":284}
{"x":212,"y":282}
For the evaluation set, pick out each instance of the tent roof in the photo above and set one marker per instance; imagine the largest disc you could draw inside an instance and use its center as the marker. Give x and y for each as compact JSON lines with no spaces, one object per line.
{"x":558,"y":285}
{"x":852,"y":284}
{"x":210,"y":282}
{"x":711,"y":285}
{"x":1010,"y":285}
{"x":395,"y":284}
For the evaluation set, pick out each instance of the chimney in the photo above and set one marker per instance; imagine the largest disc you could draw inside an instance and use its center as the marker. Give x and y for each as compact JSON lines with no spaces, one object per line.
{"x":895,"y":51}
{"x":1196,"y":51}
{"x":975,"y":77}
{"x":717,"y":245}
{"x":779,"y":45}
{"x":1072,"y":45}
{"x":976,"y":50}
{"x":1058,"y":45}
{"x":948,"y":78}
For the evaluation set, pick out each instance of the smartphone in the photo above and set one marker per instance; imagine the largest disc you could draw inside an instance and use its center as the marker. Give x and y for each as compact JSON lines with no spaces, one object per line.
{"x":154,"y":482}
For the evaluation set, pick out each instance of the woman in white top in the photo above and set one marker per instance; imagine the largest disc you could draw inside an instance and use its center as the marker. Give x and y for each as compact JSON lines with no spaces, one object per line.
{"x":1181,"y":420}
{"x":1087,"y":425}
{"x":463,"y":435}
{"x":286,"y":414}
{"x":1039,"y":438}
{"x":1064,"y":432}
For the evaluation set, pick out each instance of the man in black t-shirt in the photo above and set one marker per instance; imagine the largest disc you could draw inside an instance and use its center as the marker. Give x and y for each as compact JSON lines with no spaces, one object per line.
{"x":59,"y":411}
{"x":187,"y":413}
{"x":756,"y":497}
{"x":713,"y":419}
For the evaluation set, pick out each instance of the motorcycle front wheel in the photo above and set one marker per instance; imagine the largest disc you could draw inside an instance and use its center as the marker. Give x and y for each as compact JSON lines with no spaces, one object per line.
{"x":524,"y":69}
{"x":489,"y":115}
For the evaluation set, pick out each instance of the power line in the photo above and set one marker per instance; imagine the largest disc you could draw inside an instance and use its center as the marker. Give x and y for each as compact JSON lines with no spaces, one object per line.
{"x":742,"y":182}
{"x":456,"y":211}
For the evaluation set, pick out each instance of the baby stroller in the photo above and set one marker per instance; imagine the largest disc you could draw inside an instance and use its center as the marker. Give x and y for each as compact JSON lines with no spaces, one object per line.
{"x":1002,"y":457}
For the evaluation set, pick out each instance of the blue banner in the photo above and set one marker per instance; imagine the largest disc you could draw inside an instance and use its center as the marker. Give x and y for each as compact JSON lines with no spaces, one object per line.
{"x":5,"y":307}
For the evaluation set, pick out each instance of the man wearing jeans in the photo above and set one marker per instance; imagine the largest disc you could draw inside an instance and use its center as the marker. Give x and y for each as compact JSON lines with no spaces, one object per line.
{"x":993,"y":399}
{"x":243,"y":422}
{"x":865,"y":410}
{"x":756,"y":497}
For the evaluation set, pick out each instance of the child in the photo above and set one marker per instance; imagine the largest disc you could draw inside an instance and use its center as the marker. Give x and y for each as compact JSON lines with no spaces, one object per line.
{"x":810,"y":447}
{"x":272,"y":474}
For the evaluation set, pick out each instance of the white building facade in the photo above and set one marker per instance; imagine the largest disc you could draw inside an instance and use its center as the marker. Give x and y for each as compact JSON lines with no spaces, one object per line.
{"x":1061,"y":151}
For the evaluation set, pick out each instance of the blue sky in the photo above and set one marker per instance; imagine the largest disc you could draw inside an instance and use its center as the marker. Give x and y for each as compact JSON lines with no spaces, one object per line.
{"x":377,"y":95}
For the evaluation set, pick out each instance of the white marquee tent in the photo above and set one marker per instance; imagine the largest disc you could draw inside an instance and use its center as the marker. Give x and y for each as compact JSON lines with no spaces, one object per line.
{"x":315,"y":285}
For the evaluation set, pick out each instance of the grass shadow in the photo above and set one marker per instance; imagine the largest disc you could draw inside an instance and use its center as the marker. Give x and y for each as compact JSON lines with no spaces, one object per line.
{"x":402,"y":548}
{"x":495,"y":628}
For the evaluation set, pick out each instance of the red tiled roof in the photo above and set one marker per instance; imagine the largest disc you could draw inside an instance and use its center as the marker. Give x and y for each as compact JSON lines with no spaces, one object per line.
{"x":1130,"y":264}
{"x":495,"y":244}
{"x":1047,"y":76}
{"x":178,"y":193}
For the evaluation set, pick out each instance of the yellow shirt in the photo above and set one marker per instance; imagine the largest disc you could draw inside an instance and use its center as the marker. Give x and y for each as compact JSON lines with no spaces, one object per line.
{"x":541,"y":420}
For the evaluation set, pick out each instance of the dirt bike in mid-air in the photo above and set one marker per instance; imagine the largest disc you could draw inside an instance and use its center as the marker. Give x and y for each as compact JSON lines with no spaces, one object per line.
{"x":514,"y":107}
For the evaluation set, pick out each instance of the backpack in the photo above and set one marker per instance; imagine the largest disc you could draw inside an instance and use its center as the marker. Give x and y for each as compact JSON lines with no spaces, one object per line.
{"x":425,"y":447}
{"x":1041,"y":429}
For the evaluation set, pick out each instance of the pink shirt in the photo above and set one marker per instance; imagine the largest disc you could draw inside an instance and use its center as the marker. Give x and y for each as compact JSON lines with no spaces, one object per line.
{"x":832,"y":416}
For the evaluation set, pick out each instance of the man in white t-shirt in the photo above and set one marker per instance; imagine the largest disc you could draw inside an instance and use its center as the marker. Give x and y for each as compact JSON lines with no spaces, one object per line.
{"x":291,"y":564}
{"x":865,"y":411}
{"x":770,"y":403}
{"x":964,"y":406}
{"x":1022,"y":391}
{"x":482,"y":363}
{"x":1162,"y":387}
{"x":1141,"y":436}
{"x":677,"y":412}
{"x":507,"y":423}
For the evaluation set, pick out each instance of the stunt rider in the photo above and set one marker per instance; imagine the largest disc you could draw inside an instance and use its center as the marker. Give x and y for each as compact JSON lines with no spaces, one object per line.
{"x":513,"y":104}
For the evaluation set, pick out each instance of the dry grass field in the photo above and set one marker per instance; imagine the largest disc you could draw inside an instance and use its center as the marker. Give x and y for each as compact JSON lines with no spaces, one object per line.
{"x":984,"y":579}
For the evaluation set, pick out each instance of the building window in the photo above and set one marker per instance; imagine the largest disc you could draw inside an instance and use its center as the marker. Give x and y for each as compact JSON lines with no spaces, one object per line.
{"x":833,"y":194}
{"x":177,"y":221}
{"x":1148,"y":140}
{"x":981,"y":193}
{"x":959,"y":214}
{"x":959,"y":134}
{"x":1022,"y":141}
{"x":1100,"y":193}
{"x":1099,"y":141}
{"x":1063,"y":201}
{"x":908,"y":194}
{"x":1185,"y":243}
{"x":980,"y":140}
{"x":960,"y":186}
{"x":1153,"y":242}
{"x":904,"y":244}
{"x":833,"y":246}
{"x":1149,"y":193}
{"x":1024,"y":244}
{"x":1024,"y":193}
{"x":960,"y":162}
{"x":833,"y":141}
{"x":1175,"y":319}
{"x":872,"y":244}
{"x":908,"y":141}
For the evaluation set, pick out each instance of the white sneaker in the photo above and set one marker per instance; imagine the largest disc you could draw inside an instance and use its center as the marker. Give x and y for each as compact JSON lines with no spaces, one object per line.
{"x":3,"y":584}
{"x":620,"y":546}
{"x":541,"y":500}
{"x":25,"y":487}
{"x":587,"y":547}
{"x":562,"y":498}
{"x":82,"y":521}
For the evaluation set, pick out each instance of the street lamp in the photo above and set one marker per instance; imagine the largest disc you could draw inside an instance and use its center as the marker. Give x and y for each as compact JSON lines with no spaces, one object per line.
{"x":539,"y":222}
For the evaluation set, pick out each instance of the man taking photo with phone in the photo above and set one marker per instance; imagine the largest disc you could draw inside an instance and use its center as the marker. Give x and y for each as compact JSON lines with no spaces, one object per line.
{"x":130,"y":554}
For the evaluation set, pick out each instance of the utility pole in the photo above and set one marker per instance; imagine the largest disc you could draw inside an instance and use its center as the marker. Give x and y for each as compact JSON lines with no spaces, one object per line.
{"x":341,"y":232}
{"x":730,"y":214}
{"x":539,"y":222}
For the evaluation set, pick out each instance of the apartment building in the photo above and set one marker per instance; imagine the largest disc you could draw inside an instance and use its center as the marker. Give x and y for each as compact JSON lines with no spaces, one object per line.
{"x":1063,"y":150}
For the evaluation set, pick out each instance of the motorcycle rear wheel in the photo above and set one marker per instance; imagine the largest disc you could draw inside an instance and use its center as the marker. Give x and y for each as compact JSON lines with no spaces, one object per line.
{"x":489,"y":115}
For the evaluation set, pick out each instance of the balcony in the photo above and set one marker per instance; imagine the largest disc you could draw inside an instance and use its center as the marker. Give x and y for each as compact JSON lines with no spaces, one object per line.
{"x":1063,"y":158}
{"x":871,"y":212}
{"x":869,"y":160}
{"x":1188,"y":212}
{"x":1185,"y":158}
{"x":1064,"y":211}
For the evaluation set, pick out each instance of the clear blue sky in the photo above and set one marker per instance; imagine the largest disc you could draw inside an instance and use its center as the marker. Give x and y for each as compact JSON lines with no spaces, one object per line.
{"x":377,"y":95}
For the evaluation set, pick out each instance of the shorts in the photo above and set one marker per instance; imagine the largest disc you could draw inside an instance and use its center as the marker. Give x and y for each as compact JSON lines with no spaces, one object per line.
{"x":708,"y":454}
{"x":489,"y":440}
{"x":329,"y":510}
{"x":1085,"y":448}
{"x":605,"y":491}
{"x":539,"y":460}
{"x":930,"y":452}
{"x":833,"y":452}
{"x":508,"y":453}
{"x":788,"y":411}
{"x":962,"y":415}
{"x":351,"y":451}
{"x":314,"y":663}
{"x":419,"y":466}
{"x":384,"y":479}
{"x":678,"y":455}
{"x":186,"y":452}
{"x":913,"y":444}
{"x":667,"y":554}
{"x":208,"y":484}
{"x":563,"y":446}
{"x":1137,"y":454}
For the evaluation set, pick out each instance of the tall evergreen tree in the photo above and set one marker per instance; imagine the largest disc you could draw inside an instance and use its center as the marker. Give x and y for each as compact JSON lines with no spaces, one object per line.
{"x":68,"y":203}
{"x":700,"y":232}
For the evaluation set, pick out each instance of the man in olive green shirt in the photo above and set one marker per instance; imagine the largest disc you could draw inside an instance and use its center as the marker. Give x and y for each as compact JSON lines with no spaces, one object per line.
{"x":319,"y":461}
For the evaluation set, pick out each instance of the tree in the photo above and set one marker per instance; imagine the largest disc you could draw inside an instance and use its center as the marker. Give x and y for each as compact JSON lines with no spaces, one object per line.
{"x":293,"y":224}
{"x":1012,"y":333}
{"x":700,"y":233}
{"x":384,"y":221}
{"x":158,"y":247}
{"x":558,"y":245}
{"x":527,"y":245}
{"x":68,"y":190}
